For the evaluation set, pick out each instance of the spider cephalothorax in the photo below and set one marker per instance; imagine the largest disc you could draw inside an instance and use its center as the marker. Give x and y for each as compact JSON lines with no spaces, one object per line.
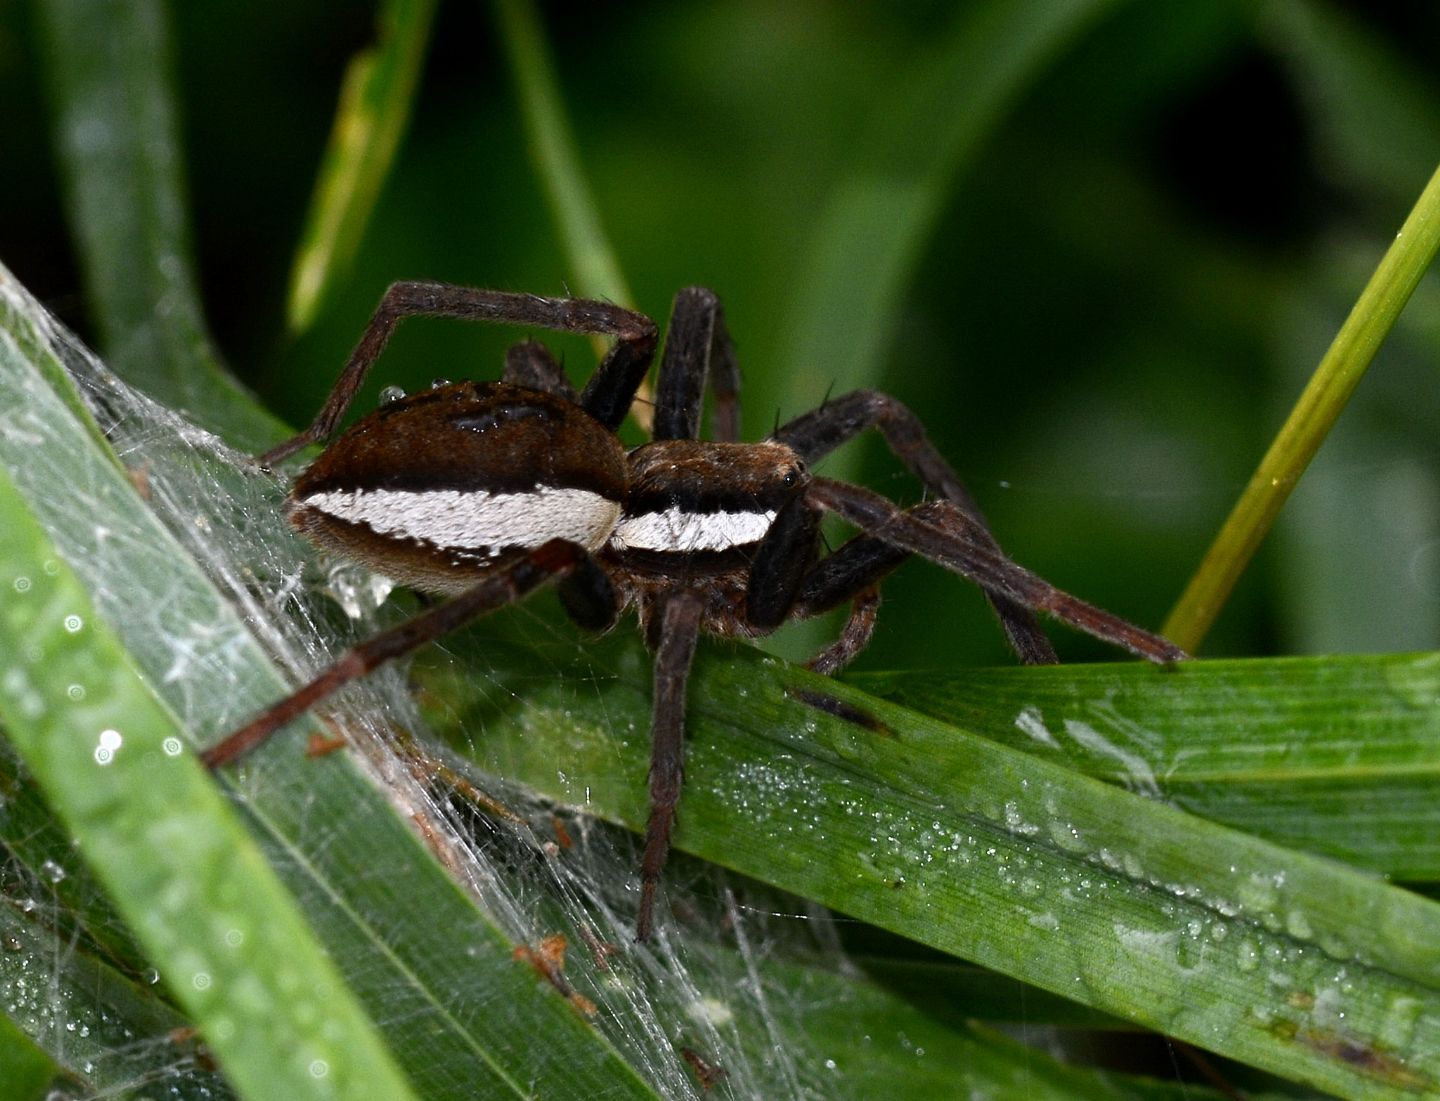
{"x":483,"y":490}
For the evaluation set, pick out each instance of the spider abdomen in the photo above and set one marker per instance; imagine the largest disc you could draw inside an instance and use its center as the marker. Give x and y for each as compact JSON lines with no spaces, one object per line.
{"x":436,"y":488}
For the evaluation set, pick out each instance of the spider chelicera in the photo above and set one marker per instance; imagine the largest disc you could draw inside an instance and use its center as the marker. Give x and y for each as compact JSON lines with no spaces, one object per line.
{"x":484,"y":490}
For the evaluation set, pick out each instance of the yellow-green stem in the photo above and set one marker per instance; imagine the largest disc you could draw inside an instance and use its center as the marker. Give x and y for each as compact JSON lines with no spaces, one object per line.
{"x":1310,"y":421}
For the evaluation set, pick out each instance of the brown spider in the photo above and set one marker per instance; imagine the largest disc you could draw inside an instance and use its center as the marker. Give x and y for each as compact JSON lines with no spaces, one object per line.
{"x":484,"y":490}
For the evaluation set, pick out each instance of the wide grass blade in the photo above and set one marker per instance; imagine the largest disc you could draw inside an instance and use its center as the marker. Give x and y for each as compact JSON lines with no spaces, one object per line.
{"x":1271,"y":956}
{"x":1338,"y":756}
{"x":169,"y":849}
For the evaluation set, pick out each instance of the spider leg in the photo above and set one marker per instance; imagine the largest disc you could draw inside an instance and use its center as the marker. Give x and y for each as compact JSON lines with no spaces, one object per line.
{"x":853,"y":637}
{"x":505,"y":585}
{"x":785,"y":581}
{"x":698,"y":350}
{"x":675,"y":626}
{"x":815,"y":434}
{"x":951,"y":538}
{"x":853,"y":573}
{"x":607,"y":397}
{"x":589,"y":596}
{"x":529,"y":363}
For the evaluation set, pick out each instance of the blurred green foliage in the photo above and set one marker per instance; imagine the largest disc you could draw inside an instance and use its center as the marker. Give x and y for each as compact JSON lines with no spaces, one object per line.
{"x":1128,"y":284}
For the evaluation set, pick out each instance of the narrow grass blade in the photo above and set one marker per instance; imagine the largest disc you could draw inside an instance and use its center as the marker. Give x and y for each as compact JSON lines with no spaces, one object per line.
{"x":1273,"y":957}
{"x":1346,"y":76}
{"x":553,"y":152}
{"x":171,"y":852}
{"x":1319,"y":406}
{"x":1337,"y":756}
{"x":374,"y":110}
{"x":108,"y":68}
{"x":555,"y":155}
{"x":920,"y":135}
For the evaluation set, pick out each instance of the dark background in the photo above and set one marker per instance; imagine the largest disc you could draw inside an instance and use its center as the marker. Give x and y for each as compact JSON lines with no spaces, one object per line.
{"x":1129,"y":283}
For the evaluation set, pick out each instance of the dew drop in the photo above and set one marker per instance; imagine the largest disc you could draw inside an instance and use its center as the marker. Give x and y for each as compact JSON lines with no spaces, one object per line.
{"x":357,"y":590}
{"x":22,"y":584}
{"x":52,"y":871}
{"x":109,"y":743}
{"x":171,"y":746}
{"x":76,"y":692}
{"x":1298,"y":925}
{"x":436,"y":383}
{"x":73,"y":623}
{"x":391,"y":394}
{"x":319,"y":1068}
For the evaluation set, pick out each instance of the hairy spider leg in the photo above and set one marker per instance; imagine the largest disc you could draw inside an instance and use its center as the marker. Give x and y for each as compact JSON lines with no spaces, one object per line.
{"x":854,"y":636}
{"x":675,"y":629}
{"x":506,"y":585}
{"x":698,"y":353}
{"x":786,"y":582}
{"x":853,"y":572}
{"x":957,"y":544}
{"x":607,"y":397}
{"x":698,"y":350}
{"x":528,"y":363}
{"x":815,"y":434}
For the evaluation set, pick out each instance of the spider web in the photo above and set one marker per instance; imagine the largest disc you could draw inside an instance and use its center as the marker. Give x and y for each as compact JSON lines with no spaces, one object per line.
{"x":705,"y":989}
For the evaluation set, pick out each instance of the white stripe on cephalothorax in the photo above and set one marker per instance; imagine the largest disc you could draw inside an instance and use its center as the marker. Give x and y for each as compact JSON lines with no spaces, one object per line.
{"x":474,"y":520}
{"x":679,"y":531}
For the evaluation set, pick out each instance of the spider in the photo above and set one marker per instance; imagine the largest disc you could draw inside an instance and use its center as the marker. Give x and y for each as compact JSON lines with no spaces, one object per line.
{"x":483,"y":491}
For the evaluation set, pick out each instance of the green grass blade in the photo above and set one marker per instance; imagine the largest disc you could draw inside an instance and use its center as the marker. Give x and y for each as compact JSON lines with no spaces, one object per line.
{"x":108,"y":69}
{"x":1338,"y":756}
{"x":845,"y":296}
{"x":1310,"y":421}
{"x":553,"y":151}
{"x":1346,"y":76}
{"x":374,"y":110}
{"x":882,"y":1046}
{"x":459,"y":1012}
{"x":171,"y":852}
{"x":27,"y":1071}
{"x":866,"y":241}
{"x":1265,"y":954}
{"x":80,"y":1026}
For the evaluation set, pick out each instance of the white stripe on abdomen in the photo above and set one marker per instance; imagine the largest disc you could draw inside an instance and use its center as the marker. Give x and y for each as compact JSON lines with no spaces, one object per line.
{"x":458,"y":519}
